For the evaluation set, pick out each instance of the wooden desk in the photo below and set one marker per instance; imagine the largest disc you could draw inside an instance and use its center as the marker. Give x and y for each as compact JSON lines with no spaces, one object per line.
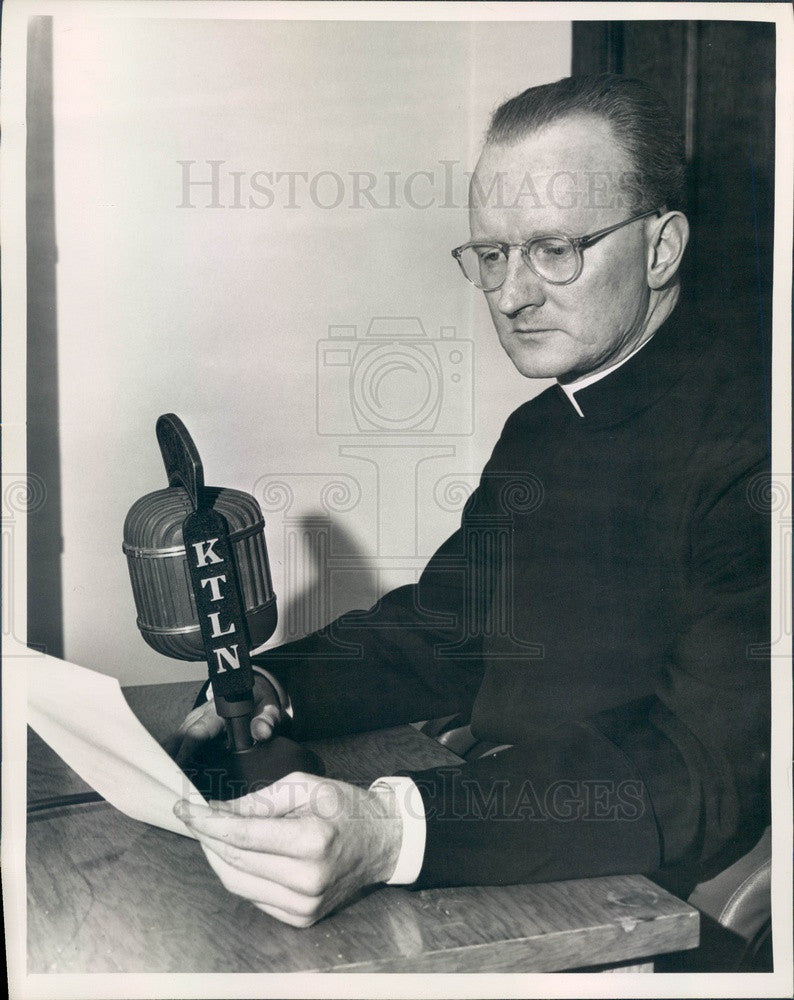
{"x":109,"y":894}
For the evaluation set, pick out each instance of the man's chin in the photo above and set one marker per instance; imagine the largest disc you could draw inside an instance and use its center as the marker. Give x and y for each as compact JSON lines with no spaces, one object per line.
{"x":535,"y":362}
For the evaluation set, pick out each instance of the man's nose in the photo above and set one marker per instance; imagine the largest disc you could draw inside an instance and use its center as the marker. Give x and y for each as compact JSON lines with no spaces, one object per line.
{"x":521,"y":287}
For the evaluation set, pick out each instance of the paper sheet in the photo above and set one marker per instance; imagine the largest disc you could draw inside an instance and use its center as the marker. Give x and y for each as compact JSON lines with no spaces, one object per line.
{"x":84,"y":717}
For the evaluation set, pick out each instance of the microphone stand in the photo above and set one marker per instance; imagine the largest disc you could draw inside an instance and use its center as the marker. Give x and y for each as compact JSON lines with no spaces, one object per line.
{"x":232,"y":764}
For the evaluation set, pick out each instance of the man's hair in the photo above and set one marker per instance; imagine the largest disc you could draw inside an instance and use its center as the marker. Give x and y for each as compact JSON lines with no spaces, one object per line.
{"x":640,"y":119}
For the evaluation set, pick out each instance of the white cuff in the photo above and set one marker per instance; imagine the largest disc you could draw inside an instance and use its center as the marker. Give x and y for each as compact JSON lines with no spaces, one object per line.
{"x":412,"y":811}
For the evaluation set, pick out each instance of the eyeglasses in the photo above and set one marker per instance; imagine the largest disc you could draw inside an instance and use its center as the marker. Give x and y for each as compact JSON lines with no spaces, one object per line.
{"x":556,"y":259}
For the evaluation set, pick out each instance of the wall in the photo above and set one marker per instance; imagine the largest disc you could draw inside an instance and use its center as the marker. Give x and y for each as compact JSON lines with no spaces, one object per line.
{"x":221,"y":311}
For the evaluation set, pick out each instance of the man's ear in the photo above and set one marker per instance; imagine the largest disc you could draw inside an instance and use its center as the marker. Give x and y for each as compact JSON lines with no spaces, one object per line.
{"x":668,"y":238}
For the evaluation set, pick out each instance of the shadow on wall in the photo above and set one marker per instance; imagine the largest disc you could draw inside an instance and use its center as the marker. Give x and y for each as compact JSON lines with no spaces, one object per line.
{"x":45,"y":609}
{"x":311,"y":580}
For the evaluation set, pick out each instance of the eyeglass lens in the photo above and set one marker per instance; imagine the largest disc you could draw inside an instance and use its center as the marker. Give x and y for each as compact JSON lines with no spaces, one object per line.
{"x":553,"y":258}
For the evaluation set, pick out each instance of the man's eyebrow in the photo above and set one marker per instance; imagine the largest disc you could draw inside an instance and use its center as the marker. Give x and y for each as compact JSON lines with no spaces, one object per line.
{"x":567,"y":231}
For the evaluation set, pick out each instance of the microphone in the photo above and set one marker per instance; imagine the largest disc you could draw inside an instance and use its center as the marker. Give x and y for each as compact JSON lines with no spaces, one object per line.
{"x":201,"y":581}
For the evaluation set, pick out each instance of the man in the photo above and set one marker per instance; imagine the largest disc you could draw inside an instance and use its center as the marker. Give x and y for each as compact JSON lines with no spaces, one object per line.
{"x":603,"y":608}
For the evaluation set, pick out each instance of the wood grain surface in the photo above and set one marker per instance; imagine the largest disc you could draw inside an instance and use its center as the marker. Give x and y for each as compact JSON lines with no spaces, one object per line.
{"x":109,"y":894}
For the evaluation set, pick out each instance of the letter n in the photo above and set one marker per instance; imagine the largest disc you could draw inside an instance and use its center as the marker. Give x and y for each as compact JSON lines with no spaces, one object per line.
{"x":230,"y":655}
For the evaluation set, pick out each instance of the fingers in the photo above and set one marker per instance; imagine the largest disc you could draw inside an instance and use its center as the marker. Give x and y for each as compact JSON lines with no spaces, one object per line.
{"x":289,"y":918}
{"x":292,"y":873}
{"x":268,"y":704}
{"x":264,"y":724}
{"x":194,"y":737}
{"x":199,"y":726}
{"x":262,"y":891}
{"x":202,"y":721}
{"x":268,"y":689}
{"x":284,"y":835}
{"x":295,"y":849}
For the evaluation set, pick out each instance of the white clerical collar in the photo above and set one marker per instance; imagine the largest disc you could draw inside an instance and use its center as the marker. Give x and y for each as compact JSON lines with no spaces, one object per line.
{"x":571,"y":388}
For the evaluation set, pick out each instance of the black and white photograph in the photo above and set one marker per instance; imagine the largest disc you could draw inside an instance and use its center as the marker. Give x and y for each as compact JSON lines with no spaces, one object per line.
{"x":397,"y":499}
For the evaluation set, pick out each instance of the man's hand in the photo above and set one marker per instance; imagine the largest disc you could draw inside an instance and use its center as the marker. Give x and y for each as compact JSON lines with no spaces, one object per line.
{"x":302,"y":847}
{"x":203,"y":723}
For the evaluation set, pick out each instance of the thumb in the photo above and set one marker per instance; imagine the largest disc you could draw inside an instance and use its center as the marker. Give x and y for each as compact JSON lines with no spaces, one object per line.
{"x":264,"y":723}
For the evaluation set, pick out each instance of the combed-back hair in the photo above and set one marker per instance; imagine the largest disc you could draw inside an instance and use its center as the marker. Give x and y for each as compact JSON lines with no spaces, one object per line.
{"x":641,"y":122}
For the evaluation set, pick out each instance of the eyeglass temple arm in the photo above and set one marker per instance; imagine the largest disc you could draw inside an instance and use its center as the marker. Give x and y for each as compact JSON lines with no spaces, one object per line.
{"x":585,"y":241}
{"x":581,"y":242}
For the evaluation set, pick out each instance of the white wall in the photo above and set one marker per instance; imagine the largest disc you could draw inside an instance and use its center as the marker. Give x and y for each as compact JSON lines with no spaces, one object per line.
{"x":216,"y":313}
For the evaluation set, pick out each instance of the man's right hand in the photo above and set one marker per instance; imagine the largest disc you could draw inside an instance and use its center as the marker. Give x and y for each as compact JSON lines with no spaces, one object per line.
{"x":204,"y":723}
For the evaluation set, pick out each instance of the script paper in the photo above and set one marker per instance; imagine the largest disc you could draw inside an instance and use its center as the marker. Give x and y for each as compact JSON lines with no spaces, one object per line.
{"x":84,"y":717}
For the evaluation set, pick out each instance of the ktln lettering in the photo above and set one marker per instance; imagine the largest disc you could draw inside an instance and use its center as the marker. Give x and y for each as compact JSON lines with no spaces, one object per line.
{"x":226,"y":657}
{"x":215,"y":586}
{"x":205,"y":553}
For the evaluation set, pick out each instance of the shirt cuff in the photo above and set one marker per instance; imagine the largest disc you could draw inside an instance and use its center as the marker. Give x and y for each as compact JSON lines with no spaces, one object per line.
{"x":412,"y":812}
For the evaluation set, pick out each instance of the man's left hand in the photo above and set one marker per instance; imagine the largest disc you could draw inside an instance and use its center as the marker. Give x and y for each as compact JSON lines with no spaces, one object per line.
{"x":301,"y":847}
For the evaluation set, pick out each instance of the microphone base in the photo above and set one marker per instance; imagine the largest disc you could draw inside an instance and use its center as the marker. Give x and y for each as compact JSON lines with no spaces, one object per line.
{"x":222,"y":774}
